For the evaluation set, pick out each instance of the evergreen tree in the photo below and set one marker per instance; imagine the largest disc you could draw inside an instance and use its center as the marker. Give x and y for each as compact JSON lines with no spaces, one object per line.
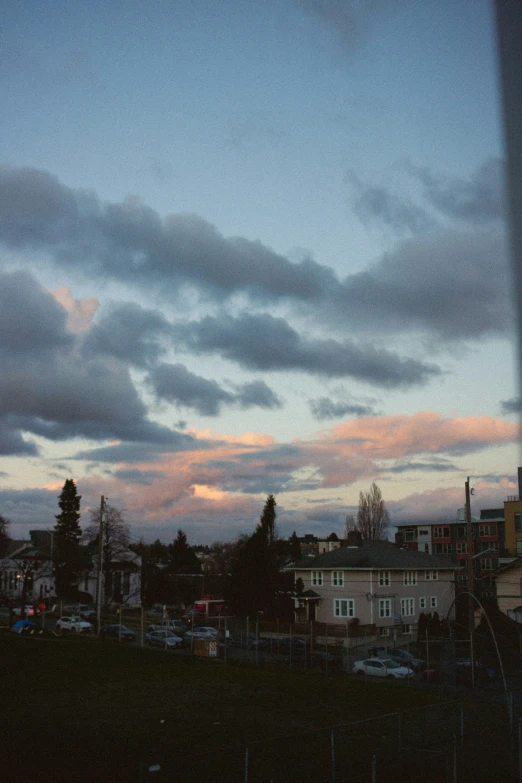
{"x":4,"y":534}
{"x":67,"y":558}
{"x":182,"y":558}
{"x":294,"y":548}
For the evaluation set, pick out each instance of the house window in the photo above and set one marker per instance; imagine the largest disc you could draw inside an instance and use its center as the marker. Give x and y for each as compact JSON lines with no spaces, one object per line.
{"x":462,"y":547}
{"x":410,"y":535}
{"x":487,"y":530}
{"x":462,"y":579}
{"x":385,"y":607}
{"x":518,"y":522}
{"x":407,"y":607}
{"x":407,"y":629}
{"x":344,"y":607}
{"x":519,"y":546}
{"x":317,"y":578}
{"x":384,"y":631}
{"x":433,"y":602}
{"x":410,"y":578}
{"x":424,"y":532}
{"x":441,"y":532}
{"x":486,"y":564}
{"x":384,"y":578}
{"x":443,"y":549}
{"x":422,"y":603}
{"x":461,"y":531}
{"x":338,"y":578}
{"x":432,"y":576}
{"x":126,"y":582}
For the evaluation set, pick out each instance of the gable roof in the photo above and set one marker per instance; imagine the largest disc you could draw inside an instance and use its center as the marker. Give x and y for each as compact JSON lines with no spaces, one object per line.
{"x":376,"y":554}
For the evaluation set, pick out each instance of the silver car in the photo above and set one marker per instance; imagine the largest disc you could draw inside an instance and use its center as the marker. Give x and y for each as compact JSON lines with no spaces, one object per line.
{"x":165,"y":639}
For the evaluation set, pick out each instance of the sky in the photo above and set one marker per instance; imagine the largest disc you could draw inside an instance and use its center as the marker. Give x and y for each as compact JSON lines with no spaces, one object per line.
{"x":252,"y":248}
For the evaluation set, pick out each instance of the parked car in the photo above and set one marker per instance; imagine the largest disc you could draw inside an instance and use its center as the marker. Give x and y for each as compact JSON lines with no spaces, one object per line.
{"x":163,"y":638}
{"x":176,"y":626}
{"x":117,"y":632}
{"x":458,"y":672}
{"x":73,"y":623}
{"x":381,"y":667}
{"x":404,"y":657}
{"x":291,"y":645}
{"x":23,"y":627}
{"x":248,"y":640}
{"x":201,"y":632}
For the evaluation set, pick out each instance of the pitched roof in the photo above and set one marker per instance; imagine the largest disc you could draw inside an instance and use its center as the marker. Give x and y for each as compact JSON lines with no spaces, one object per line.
{"x":376,"y":554}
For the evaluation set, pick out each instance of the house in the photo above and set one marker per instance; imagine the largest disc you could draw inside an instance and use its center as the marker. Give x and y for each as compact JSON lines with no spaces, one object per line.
{"x":312,"y":545}
{"x":377,"y":582}
{"x":508,"y":583}
{"x":30,"y":562}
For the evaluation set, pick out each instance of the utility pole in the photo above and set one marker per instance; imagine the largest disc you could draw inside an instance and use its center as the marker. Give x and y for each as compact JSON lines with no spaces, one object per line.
{"x":100,"y":565}
{"x":471,"y":581}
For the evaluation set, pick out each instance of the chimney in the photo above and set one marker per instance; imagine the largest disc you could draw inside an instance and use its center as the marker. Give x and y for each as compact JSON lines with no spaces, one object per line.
{"x":520,"y":483}
{"x":353,"y":538}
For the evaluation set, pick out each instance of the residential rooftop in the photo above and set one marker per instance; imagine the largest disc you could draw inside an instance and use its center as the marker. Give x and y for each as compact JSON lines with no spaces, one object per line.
{"x":376,"y":554}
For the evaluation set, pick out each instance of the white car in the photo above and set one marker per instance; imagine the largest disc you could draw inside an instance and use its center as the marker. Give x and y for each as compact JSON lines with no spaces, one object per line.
{"x":381,"y":667}
{"x":73,"y":623}
{"x":201,"y":632}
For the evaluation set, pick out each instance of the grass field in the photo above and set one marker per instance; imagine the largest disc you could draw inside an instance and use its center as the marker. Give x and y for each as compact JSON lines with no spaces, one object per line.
{"x":85,"y":709}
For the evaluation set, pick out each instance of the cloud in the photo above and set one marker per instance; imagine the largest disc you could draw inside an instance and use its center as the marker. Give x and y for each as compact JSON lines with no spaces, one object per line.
{"x":257,"y":394}
{"x":138,"y":476}
{"x":263,"y":342}
{"x":130,"y":333}
{"x":477,"y":198}
{"x":451,"y":284}
{"x":407,"y":467}
{"x":79,"y":311}
{"x":325,"y":408}
{"x":377,"y":203}
{"x":348,"y":19}
{"x":514,"y":405}
{"x":48,"y":388}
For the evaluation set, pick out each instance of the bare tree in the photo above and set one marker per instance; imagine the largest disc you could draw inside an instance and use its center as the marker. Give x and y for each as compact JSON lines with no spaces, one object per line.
{"x":349,"y":525}
{"x":372,"y":518}
{"x":115,"y":542}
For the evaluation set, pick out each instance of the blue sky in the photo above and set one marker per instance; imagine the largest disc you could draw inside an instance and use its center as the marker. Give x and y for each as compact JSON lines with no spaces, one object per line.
{"x":281,"y":218}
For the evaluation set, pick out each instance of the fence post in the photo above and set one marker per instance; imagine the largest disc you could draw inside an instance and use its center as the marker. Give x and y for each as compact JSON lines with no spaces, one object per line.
{"x":511,"y":712}
{"x":455,"y":779}
{"x":119,"y":630}
{"x":142,"y":625}
{"x":461,"y":720}
{"x":226,"y":643}
{"x":246,"y":766}
{"x":399,"y":722}
{"x":520,"y":750}
{"x":374,"y":768}
{"x":332,"y":754}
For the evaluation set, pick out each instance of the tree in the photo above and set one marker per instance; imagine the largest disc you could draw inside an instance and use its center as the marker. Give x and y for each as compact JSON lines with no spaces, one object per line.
{"x":349,"y":525}
{"x":257,"y":582}
{"x":182,"y":558}
{"x":4,"y":534}
{"x":115,"y":543}
{"x":67,"y":558}
{"x":372,"y":518}
{"x":294,"y":548}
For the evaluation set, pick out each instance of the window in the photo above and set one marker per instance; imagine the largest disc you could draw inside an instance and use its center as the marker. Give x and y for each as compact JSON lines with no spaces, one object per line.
{"x":461,"y":531}
{"x":384,"y":631}
{"x":519,"y":546}
{"x":410,"y":535}
{"x":462,"y":579}
{"x":86,"y":581}
{"x":126,"y":582}
{"x":422,"y":603}
{"x":407,"y":607}
{"x":441,"y":532}
{"x":317,"y":578}
{"x":461,"y":547}
{"x":487,"y":530}
{"x":432,"y":576}
{"x":433,"y":601}
{"x":518,"y":522}
{"x":384,"y":578}
{"x":410,"y":578}
{"x":443,"y":549}
{"x":486,"y":564}
{"x":344,"y":607}
{"x":424,"y":532}
{"x":385,"y":607}
{"x":407,"y":629}
{"x":337,"y":578}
